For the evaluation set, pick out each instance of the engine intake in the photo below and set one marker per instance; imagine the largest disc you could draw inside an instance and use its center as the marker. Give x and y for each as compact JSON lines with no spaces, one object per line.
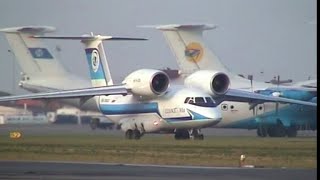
{"x":220,"y":83}
{"x":159,"y":83}
{"x":212,"y":82}
{"x":147,"y":82}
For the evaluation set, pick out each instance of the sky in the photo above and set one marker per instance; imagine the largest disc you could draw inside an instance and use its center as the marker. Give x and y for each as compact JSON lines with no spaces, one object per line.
{"x":264,"y":38}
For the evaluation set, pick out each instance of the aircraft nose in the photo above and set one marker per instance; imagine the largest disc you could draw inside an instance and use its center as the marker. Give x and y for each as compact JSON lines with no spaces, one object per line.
{"x":215,"y":115}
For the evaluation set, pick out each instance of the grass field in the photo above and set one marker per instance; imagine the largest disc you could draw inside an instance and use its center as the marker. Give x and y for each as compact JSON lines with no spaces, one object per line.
{"x":213,"y":151}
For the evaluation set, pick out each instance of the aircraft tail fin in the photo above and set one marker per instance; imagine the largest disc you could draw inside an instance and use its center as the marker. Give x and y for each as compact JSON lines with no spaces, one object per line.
{"x":34,"y":58}
{"x":95,"y":55}
{"x":186,"y":42}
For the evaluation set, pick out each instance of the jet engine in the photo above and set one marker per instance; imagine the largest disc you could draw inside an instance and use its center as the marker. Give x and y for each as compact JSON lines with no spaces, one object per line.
{"x":213,"y":82}
{"x":147,"y":82}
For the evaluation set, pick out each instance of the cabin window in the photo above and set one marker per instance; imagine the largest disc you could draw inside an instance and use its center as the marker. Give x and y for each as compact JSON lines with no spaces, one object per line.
{"x":224,"y":107}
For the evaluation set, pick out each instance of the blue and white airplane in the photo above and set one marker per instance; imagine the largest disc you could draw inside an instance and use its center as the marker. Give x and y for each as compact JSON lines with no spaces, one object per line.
{"x":144,"y":103}
{"x":276,"y":120}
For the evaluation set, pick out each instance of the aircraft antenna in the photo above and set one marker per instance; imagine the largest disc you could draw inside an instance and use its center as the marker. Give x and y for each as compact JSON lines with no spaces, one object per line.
{"x":250,"y":77}
{"x":277,"y":103}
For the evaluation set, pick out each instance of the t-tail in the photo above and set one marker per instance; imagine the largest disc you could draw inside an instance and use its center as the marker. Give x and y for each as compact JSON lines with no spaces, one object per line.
{"x":95,"y":55}
{"x":192,"y":54}
{"x":97,"y":63}
{"x":34,"y":58}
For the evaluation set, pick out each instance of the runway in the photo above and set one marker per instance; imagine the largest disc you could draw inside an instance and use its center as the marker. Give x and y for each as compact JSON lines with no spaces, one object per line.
{"x":51,"y":129}
{"x":96,"y":171}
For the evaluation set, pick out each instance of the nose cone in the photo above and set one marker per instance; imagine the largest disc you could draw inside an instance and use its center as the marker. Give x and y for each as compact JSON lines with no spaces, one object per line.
{"x":208,"y":115}
{"x":213,"y":114}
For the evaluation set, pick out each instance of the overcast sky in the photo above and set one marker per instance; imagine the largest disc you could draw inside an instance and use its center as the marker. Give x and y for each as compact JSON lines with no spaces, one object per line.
{"x":253,"y":36}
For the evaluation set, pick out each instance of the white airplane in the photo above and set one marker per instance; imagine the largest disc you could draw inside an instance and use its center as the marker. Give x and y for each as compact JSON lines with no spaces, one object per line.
{"x":143,"y":103}
{"x":273,"y":119}
{"x":41,"y":71}
{"x":146,"y":104}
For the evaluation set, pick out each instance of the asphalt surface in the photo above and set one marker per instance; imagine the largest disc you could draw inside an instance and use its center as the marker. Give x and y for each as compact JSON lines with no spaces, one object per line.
{"x":51,"y":129}
{"x":71,"y":170}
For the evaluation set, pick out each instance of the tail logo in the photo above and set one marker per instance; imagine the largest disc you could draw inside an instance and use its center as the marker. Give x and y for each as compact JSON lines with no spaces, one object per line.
{"x":95,"y":60}
{"x":194,"y":52}
{"x":40,"y":53}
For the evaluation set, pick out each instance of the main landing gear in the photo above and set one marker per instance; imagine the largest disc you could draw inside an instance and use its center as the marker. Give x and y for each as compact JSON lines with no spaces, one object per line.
{"x":182,"y":134}
{"x":133,"y":134}
{"x":276,"y":131}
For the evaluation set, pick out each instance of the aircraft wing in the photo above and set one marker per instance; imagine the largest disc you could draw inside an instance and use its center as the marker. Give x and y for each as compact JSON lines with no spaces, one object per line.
{"x":307,"y":84}
{"x":75,"y":93}
{"x":245,"y":96}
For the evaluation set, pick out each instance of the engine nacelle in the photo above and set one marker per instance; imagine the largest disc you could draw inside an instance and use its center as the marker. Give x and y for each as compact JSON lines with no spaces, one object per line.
{"x":212,"y":82}
{"x":147,"y":82}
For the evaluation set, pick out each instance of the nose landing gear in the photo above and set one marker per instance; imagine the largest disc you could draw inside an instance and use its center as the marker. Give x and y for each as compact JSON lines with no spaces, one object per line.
{"x":182,"y":134}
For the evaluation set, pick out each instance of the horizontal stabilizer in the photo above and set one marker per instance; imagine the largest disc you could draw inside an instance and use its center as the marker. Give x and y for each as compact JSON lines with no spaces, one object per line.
{"x":173,"y":27}
{"x":29,"y":29}
{"x":89,"y":38}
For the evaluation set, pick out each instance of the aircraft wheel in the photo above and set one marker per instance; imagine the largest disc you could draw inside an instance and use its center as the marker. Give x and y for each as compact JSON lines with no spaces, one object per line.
{"x":129,"y":134}
{"x":94,"y":123}
{"x":271,"y":132}
{"x":185,"y":134}
{"x":177,"y":136}
{"x":292,"y":132}
{"x":182,"y":134}
{"x":199,"y":137}
{"x":277,"y":131}
{"x":281,"y":131}
{"x":136,"y":134}
{"x":262,"y":131}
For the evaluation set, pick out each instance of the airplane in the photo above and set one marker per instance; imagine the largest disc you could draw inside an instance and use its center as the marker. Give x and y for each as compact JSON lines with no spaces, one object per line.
{"x":143,"y":103}
{"x":146,"y":105}
{"x":276,"y":120}
{"x":41,"y":70}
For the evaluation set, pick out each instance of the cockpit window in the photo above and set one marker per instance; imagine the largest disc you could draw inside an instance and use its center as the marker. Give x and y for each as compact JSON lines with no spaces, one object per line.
{"x":209,"y":100}
{"x":187,"y":99}
{"x":191,"y":100}
{"x":200,"y":101}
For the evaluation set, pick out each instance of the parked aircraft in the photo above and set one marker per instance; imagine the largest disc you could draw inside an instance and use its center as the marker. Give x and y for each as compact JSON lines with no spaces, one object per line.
{"x":41,"y":71}
{"x":273,"y":119}
{"x":146,"y":104}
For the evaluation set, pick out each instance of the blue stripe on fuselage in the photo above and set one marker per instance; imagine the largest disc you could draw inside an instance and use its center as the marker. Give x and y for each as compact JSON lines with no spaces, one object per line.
{"x":118,"y":109}
{"x":193,"y":117}
{"x":139,"y":108}
{"x":197,"y":116}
